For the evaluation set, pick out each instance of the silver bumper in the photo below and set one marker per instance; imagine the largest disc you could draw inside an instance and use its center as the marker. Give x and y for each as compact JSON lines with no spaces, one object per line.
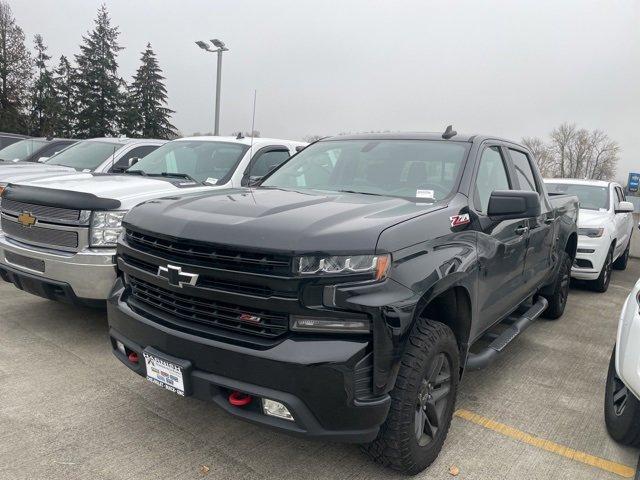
{"x":89,"y":273}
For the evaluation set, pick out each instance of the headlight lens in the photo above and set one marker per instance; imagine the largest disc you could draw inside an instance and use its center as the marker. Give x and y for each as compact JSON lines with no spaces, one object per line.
{"x":343,"y":264}
{"x":106,"y":228}
{"x":591,"y":232}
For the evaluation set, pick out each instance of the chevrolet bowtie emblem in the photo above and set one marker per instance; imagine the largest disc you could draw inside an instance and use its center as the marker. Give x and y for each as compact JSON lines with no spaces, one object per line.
{"x":176,"y":277}
{"x":26,"y":219}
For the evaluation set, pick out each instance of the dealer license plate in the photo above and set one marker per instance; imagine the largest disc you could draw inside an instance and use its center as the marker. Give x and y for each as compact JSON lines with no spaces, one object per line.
{"x":164,"y":373}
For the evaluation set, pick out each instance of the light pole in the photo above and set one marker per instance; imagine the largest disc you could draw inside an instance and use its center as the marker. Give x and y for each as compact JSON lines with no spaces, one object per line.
{"x":220,"y":47}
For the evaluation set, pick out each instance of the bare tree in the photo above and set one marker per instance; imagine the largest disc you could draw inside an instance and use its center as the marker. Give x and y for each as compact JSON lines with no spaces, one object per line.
{"x":542,"y":155}
{"x":575,"y":152}
{"x":312,"y":138}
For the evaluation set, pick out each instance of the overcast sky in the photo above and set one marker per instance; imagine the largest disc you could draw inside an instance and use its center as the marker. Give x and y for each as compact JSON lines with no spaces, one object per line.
{"x":509,"y":68}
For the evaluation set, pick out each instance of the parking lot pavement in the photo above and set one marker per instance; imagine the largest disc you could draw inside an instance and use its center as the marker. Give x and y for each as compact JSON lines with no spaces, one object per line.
{"x":68,"y":410}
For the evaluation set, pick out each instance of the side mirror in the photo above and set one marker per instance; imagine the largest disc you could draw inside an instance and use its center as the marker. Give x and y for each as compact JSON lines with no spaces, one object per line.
{"x":299,"y":148}
{"x":133,"y":161}
{"x":43,"y":159}
{"x":625,"y":207}
{"x":508,"y":204}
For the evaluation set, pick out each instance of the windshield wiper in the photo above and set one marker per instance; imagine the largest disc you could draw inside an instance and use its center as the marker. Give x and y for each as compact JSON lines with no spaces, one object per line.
{"x":136,"y":172}
{"x":186,"y":176}
{"x":362,"y":193}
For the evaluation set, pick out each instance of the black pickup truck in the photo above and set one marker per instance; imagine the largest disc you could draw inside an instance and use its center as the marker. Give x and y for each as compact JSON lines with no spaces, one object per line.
{"x":343,"y":297}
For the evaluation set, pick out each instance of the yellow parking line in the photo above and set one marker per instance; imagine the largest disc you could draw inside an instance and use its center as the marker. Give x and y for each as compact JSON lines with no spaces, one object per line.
{"x":549,"y":446}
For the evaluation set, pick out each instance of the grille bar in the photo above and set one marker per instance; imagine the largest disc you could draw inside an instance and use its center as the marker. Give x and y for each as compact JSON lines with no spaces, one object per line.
{"x":40,"y":235}
{"x":41,"y":211}
{"x":213,"y":256}
{"x":208,"y":312}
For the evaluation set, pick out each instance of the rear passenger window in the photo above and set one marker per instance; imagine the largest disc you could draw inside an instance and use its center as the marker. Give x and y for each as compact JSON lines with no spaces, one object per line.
{"x":523,"y":170}
{"x":492,"y":175}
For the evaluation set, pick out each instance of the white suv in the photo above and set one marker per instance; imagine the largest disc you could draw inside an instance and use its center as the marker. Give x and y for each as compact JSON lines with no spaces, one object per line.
{"x":605,"y":225}
{"x":621,"y":405}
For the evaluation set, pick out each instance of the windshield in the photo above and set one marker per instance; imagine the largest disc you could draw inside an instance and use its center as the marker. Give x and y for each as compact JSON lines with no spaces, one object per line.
{"x":210,"y":162}
{"x":591,"y":197}
{"x":21,"y":150}
{"x":401,"y":168}
{"x":85,"y":155}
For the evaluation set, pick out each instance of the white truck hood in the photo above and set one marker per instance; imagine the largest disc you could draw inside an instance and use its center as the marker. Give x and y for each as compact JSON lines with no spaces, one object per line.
{"x":13,"y":172}
{"x":592,"y":218}
{"x":130,"y":190}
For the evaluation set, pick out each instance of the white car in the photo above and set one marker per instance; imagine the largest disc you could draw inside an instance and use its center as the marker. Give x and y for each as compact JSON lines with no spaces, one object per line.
{"x":100,"y":155}
{"x":621,"y":404}
{"x":605,"y":225}
{"x":60,"y":234}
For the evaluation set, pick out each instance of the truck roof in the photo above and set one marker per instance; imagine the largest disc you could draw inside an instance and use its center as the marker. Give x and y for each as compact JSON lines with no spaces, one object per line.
{"x":122,"y":140}
{"x":579,"y":181}
{"x":460,"y":137}
{"x":242,"y":140}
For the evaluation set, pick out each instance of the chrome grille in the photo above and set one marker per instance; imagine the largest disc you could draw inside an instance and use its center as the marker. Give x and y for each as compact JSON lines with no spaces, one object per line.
{"x":40,"y":235}
{"x":41,"y":212}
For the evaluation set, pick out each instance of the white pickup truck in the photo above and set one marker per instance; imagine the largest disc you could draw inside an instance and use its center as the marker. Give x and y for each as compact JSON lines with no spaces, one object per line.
{"x":101,"y":155}
{"x":605,"y":225}
{"x":59,"y":236}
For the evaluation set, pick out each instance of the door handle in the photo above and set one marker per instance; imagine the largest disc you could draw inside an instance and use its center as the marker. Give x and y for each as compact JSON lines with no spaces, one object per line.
{"x":521,"y":230}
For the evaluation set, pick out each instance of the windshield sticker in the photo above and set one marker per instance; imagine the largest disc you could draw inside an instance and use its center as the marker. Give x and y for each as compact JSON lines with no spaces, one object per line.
{"x":211,"y":181}
{"x":425,"y":194}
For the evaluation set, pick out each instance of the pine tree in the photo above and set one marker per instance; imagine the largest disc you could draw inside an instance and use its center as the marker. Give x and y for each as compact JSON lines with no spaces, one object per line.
{"x":99,"y":97}
{"x":147,"y":115}
{"x":65,"y":85}
{"x":15,"y":73}
{"x":44,"y":100}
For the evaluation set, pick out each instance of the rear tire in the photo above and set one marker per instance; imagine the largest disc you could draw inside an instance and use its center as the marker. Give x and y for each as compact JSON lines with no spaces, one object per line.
{"x":601,"y":284}
{"x":621,"y":409}
{"x":422,"y":401}
{"x":622,"y":260}
{"x":558,"y":299}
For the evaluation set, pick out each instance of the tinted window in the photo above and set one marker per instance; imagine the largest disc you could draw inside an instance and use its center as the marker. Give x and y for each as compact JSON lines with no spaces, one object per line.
{"x":523,"y":170}
{"x":137,"y":152}
{"x":51,"y":150}
{"x":204,"y":161}
{"x":492,"y":175}
{"x":87,"y":155}
{"x":401,"y":168}
{"x":267,"y":161}
{"x":21,"y":150}
{"x":591,"y":197}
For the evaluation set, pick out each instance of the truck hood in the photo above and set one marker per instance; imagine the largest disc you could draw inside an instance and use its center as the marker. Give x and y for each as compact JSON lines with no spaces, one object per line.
{"x":129,"y":190}
{"x":279,"y":220}
{"x":9,"y":175}
{"x":592,"y":218}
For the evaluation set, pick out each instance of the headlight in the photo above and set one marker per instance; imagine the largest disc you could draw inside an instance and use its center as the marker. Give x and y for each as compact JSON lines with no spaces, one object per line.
{"x":2,"y":187}
{"x":377,"y":265}
{"x":106,"y":228}
{"x":591,"y":232}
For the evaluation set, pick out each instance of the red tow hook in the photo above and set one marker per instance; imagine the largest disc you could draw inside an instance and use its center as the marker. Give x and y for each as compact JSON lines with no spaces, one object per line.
{"x":133,"y":357}
{"x":239,"y":399}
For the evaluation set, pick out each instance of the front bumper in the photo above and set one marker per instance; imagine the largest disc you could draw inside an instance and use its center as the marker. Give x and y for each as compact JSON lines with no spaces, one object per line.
{"x":87,"y":275}
{"x":590,"y":257}
{"x":314,"y":377}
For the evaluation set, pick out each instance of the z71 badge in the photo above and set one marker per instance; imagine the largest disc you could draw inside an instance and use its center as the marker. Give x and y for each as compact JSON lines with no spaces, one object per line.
{"x":458,"y":220}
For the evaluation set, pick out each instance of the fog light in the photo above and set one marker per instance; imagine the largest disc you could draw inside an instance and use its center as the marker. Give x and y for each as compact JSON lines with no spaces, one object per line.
{"x":276,"y":409}
{"x":121,"y":348}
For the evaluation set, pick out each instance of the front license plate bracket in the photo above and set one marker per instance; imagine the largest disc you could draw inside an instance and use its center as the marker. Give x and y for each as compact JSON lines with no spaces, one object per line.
{"x":168,"y":372}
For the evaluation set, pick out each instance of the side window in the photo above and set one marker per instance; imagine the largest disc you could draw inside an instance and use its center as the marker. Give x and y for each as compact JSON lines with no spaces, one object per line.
{"x":267,"y":161}
{"x":137,"y":152}
{"x":491,"y":176}
{"x":524,"y":173}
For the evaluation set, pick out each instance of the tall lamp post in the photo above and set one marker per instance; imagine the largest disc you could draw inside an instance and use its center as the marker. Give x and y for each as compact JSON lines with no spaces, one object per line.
{"x":219,"y":48}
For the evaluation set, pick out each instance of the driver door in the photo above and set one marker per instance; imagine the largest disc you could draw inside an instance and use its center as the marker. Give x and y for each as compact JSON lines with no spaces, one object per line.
{"x":501,"y":245}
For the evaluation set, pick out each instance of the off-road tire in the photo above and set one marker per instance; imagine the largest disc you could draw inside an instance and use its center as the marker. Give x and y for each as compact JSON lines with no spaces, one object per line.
{"x":558,"y":299}
{"x":623,"y":426}
{"x":601,"y":284}
{"x":397,"y":445}
{"x":622,"y":260}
